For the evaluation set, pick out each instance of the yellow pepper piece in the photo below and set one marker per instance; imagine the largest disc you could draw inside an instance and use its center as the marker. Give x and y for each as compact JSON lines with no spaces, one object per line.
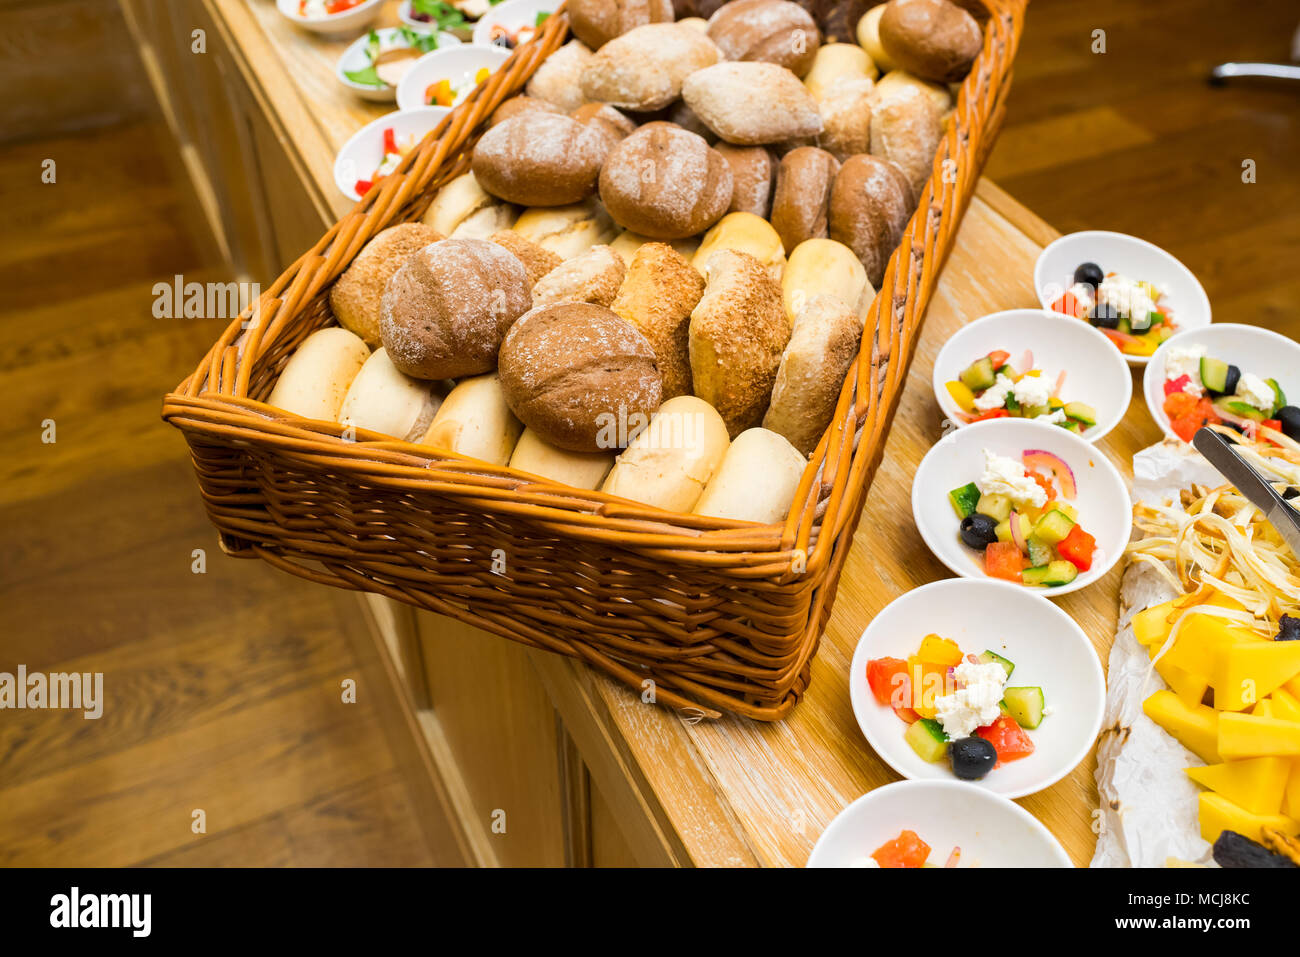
{"x":939,"y":651}
{"x":962,"y":395}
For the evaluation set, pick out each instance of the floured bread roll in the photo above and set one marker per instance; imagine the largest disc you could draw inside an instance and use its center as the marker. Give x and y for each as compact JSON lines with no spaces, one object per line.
{"x":383,"y":399}
{"x":774,"y":31}
{"x":752,"y":103}
{"x":594,"y":276}
{"x":540,"y":159}
{"x":838,"y":63}
{"x":669,"y":464}
{"x":596,"y":22}
{"x":753,"y":172}
{"x":521,"y":104}
{"x":567,"y":231}
{"x":315,"y":380}
{"x":906,"y":130}
{"x":464,"y":210}
{"x":557,"y":80}
{"x":537,"y":260}
{"x":644,"y":68}
{"x":756,"y":480}
{"x":801,"y":203}
{"x":355,"y":298}
{"x":870,"y":203}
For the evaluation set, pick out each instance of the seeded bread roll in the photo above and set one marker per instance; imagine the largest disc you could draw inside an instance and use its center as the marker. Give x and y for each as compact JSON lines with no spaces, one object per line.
{"x":383,"y":399}
{"x":606,"y":118}
{"x":355,"y":298}
{"x":315,"y":380}
{"x":906,"y":130}
{"x":537,"y":260}
{"x":837,"y":63}
{"x":557,"y":80}
{"x":737,"y":334}
{"x":579,"y":376}
{"x":474,"y":420}
{"x":567,"y":231}
{"x":446,"y":310}
{"x":870,"y":203}
{"x":753,"y":172}
{"x":593,"y":277}
{"x":934,"y":39}
{"x":823,"y":267}
{"x":752,"y":103}
{"x":669,"y":464}
{"x":577,"y":469}
{"x":665,"y":182}
{"x":644,"y":68}
{"x":773,"y":31}
{"x":657,"y":296}
{"x":801,"y":203}
{"x":521,"y":104}
{"x":463,"y":210}
{"x":596,"y":22}
{"x":745,"y":233}
{"x":627,"y":243}
{"x":894,"y":80}
{"x":868,"y":35}
{"x":540,"y":159}
{"x":822,"y":346}
{"x":846,"y":111}
{"x":756,"y":480}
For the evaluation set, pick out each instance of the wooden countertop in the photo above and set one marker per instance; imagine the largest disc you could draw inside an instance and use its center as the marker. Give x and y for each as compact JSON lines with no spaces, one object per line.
{"x":735,"y":792}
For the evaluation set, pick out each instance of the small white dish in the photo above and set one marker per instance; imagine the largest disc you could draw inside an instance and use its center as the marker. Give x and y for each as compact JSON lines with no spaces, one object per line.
{"x":1105,"y":510}
{"x":457,"y":64}
{"x":1251,"y":348}
{"x":354,"y":59}
{"x":1096,"y":373}
{"x":333,"y":24}
{"x":1049,"y":651}
{"x":990,"y":830}
{"x":362,"y":154}
{"x":1129,"y":256}
{"x":512,"y":15}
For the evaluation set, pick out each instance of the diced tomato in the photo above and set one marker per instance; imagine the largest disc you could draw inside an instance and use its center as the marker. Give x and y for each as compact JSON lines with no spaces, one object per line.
{"x":1126,"y":342}
{"x":1007,"y":738}
{"x":1187,"y":414}
{"x":906,"y":850}
{"x":999,"y":358}
{"x":1274,"y":424}
{"x":390,"y":141}
{"x":881,"y":674}
{"x":1078,"y":548}
{"x":1176,"y":385}
{"x":363,"y":186}
{"x":1069,"y":305}
{"x":1004,"y":560}
{"x":992,"y":414}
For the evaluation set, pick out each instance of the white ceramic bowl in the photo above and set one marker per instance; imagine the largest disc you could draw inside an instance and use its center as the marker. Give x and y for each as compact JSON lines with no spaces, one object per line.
{"x":1261,"y":351}
{"x":1049,"y":650}
{"x":335,"y":24}
{"x":990,"y":830}
{"x":1096,"y":373}
{"x":354,"y":59}
{"x":1103,"y":501}
{"x":361,"y":155}
{"x":512,"y":14}
{"x":457,"y":64}
{"x":1130,"y":256}
{"x":407,"y":16}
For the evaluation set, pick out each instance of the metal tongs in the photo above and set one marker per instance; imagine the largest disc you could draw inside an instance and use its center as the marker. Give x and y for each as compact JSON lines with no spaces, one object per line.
{"x":1222,"y":454}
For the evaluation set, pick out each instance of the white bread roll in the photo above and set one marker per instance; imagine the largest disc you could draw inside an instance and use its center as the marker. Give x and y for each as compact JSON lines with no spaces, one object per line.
{"x":820,"y":267}
{"x":315,"y":380}
{"x":835,"y":63}
{"x":567,"y":231}
{"x":756,"y":481}
{"x":383,"y":399}
{"x":464,"y":210}
{"x":671,"y":461}
{"x":627,"y":243}
{"x":746,"y":233}
{"x":474,"y":420}
{"x":869,"y":37}
{"x":578,"y":469}
{"x":895,"y":80}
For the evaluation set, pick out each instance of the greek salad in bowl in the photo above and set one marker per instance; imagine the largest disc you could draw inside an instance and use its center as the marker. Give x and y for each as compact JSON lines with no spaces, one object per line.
{"x":996,"y":386}
{"x":1202,"y":389}
{"x":1135,"y":314}
{"x":907,"y":850}
{"x":375,"y":64}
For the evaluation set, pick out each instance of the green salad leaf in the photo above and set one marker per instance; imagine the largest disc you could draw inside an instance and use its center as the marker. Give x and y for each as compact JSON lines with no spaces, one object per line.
{"x":366,"y":77}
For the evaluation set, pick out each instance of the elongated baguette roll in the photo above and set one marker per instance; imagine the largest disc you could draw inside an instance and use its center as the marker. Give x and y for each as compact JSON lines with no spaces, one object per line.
{"x":579,"y":469}
{"x":825,"y":267}
{"x":464,"y":210}
{"x":746,"y":233}
{"x":383,"y":399}
{"x":475,"y":420}
{"x":756,"y":481}
{"x":868,"y":32}
{"x":671,"y":461}
{"x":567,"y":231}
{"x":316,"y":378}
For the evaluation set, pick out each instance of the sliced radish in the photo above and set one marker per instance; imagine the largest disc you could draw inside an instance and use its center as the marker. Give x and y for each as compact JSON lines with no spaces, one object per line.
{"x":1038,"y":459}
{"x":1060,"y":384}
{"x":1026,"y":362}
{"x":953,"y":858}
{"x":1016,"y":535}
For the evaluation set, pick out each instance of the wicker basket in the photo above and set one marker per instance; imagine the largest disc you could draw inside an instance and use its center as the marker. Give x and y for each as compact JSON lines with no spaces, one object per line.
{"x":719,"y":615}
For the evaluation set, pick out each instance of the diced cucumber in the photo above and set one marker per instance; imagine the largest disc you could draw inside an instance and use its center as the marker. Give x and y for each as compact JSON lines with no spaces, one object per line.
{"x":1243,"y":410}
{"x":1279,"y":397}
{"x":989,"y":657}
{"x":1025,"y":705}
{"x":1124,"y":325}
{"x":996,"y":507}
{"x":1054,"y":403}
{"x":979,"y":374}
{"x":1218,"y":376}
{"x":1034,"y":411}
{"x":964,"y":499}
{"x":927,"y":739}
{"x":1081,"y":413}
{"x":1061,"y":573}
{"x":1003,"y":529}
{"x":1039,"y":554}
{"x":1036,"y":575}
{"x":1052,"y":527}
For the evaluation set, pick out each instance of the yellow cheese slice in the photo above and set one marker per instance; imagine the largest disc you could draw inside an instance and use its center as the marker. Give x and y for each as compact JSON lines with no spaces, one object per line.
{"x":1195,"y":728}
{"x":1255,"y":784}
{"x":1249,"y":736}
{"x":1218,"y":814}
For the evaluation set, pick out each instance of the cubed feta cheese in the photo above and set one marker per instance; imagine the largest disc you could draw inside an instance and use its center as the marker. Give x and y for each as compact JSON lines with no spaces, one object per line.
{"x":1186,"y":361}
{"x":1255,"y":391}
{"x":1006,"y":476}
{"x":995,"y":396}
{"x":975,"y":702}
{"x":1055,"y":417}
{"x":1032,"y":390}
{"x":1129,"y":299}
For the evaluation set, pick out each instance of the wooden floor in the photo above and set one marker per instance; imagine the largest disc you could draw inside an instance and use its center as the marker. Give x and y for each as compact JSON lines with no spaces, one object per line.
{"x":223,"y":689}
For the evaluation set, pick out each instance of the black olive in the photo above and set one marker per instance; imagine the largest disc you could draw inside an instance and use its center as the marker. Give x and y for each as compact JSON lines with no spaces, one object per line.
{"x":972,"y":758}
{"x":1288,"y":629}
{"x":1289,"y":416}
{"x":1291,"y":492}
{"x":1089,"y":273}
{"x":1104,"y":316}
{"x":978,"y":530}
{"x":1231,"y":379}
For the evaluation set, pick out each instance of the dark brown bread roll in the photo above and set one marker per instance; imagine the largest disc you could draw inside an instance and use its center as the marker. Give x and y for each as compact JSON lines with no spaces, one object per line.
{"x":870,"y":204}
{"x":605,"y":117}
{"x":801,"y":203}
{"x":934,"y":39}
{"x":775,"y":31}
{"x":521,"y":104}
{"x":753,"y":172}
{"x":596,"y":22}
{"x":540,"y":159}
{"x":446,"y":310}
{"x":357,"y":295}
{"x":579,"y":376}
{"x":665,"y":183}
